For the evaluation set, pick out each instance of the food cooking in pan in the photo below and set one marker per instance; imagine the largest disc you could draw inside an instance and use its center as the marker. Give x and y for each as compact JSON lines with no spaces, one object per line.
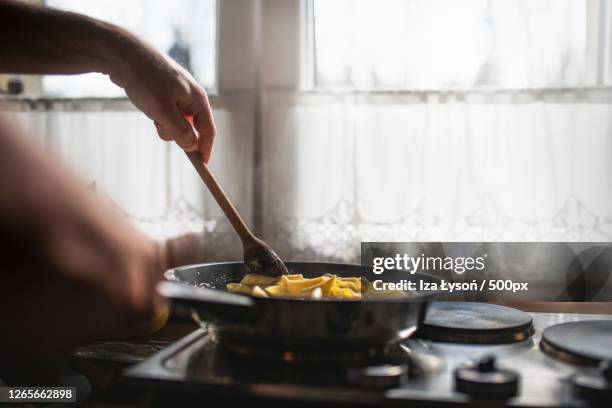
{"x":327,"y":286}
{"x":297,"y":286}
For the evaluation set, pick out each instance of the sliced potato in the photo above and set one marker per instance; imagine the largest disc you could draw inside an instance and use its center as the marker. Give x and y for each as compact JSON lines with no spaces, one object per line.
{"x":348,"y":294}
{"x":253,"y":279}
{"x":274,"y":290}
{"x":349,"y":285}
{"x":317,"y":284}
{"x":259,"y":292}
{"x":316,"y":294}
{"x":296,"y":286}
{"x":326,"y":287}
{"x":353,"y":283}
{"x":335,"y":291}
{"x":239,"y":288}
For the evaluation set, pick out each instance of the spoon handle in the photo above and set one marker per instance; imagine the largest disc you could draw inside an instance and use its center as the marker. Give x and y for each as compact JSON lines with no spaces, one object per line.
{"x":220,"y":197}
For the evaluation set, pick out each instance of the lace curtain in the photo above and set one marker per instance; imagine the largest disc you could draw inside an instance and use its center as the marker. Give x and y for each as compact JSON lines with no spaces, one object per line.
{"x":117,"y":151}
{"x":344,"y":168}
{"x":418,"y":166}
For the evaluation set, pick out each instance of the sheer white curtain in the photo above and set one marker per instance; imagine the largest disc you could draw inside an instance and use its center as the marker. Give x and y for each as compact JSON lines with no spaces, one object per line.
{"x":456,"y":166}
{"x":152,"y":181}
{"x":349,"y":167}
{"x":479,"y":120}
{"x":425,"y":44}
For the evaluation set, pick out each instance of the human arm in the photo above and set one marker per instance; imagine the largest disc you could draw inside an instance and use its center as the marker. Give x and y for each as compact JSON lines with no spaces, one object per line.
{"x":72,"y":269}
{"x":42,"y":40}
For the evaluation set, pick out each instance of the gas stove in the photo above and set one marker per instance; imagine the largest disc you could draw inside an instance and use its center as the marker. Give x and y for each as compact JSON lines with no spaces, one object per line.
{"x":501,"y":362}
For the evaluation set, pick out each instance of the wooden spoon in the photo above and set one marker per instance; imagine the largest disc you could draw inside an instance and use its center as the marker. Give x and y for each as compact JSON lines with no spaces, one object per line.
{"x":258,"y":256}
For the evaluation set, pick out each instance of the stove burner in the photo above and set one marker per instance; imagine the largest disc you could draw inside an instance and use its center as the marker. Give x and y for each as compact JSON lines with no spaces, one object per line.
{"x":594,"y":384}
{"x":194,"y":371}
{"x":383,"y":377}
{"x":484,"y":378}
{"x":581,"y":343}
{"x":303,"y":351}
{"x":475,"y":323}
{"x":314,"y":356}
{"x":380,"y":369}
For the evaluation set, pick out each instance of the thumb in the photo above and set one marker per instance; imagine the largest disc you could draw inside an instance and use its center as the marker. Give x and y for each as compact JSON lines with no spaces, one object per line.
{"x":172,"y":126}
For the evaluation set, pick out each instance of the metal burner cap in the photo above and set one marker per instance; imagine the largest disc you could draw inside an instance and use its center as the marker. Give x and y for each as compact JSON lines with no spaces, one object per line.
{"x":384,"y":376}
{"x":594,"y":384}
{"x":582,"y":342}
{"x":475,"y":323}
{"x":484,"y":379}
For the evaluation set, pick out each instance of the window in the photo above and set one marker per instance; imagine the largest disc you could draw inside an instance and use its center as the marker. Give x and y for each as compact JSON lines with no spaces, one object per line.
{"x":433,"y":44}
{"x":184,"y":29}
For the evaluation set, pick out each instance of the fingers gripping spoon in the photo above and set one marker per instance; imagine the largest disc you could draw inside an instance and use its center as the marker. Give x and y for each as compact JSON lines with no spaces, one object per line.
{"x":258,"y":256}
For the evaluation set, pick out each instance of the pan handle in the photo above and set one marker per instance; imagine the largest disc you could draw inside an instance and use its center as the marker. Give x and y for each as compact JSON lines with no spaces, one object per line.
{"x":203,"y":298}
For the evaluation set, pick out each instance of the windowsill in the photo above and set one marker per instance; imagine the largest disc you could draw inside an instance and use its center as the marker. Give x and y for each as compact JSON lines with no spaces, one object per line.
{"x":283,"y":95}
{"x":20,"y":103}
{"x":25,"y":104}
{"x":446,"y":90}
{"x":318,"y":95}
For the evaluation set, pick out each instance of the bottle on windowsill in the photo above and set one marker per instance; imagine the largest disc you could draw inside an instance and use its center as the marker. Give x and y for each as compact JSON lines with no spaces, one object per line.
{"x":11,"y":84}
{"x":15,"y":85}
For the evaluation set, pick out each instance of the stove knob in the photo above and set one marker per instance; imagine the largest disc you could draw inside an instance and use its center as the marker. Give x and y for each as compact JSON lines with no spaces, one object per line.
{"x":594,"y":384}
{"x":484,"y":379}
{"x":384,"y":376}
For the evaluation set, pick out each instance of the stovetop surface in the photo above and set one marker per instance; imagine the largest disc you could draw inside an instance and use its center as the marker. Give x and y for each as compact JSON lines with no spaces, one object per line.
{"x":195,"y":365}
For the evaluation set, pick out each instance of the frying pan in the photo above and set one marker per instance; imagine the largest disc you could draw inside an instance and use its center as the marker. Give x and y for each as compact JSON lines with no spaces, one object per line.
{"x":296,"y":323}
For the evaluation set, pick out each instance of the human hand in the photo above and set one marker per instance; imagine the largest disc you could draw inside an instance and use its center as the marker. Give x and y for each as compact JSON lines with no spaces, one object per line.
{"x":166,"y":93}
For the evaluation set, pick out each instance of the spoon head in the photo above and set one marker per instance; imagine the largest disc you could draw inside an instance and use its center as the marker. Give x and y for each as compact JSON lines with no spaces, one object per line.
{"x":259,"y":258}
